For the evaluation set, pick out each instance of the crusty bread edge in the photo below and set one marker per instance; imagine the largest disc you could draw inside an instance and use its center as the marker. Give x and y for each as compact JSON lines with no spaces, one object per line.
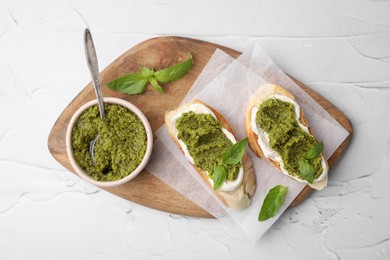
{"x":255,"y":100}
{"x":238,"y":199}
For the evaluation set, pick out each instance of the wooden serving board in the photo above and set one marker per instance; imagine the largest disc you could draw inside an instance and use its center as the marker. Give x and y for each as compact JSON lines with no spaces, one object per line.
{"x":160,"y":52}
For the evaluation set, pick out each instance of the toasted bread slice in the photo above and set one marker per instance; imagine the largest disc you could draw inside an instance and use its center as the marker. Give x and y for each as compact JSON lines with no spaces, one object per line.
{"x":239,"y":198}
{"x":255,"y":100}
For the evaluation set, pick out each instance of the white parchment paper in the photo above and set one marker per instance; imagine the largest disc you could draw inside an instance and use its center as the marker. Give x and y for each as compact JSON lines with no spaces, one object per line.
{"x":226,"y":84}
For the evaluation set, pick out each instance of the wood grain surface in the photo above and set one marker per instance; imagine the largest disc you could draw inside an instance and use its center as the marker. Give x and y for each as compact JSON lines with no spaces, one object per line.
{"x":160,"y":52}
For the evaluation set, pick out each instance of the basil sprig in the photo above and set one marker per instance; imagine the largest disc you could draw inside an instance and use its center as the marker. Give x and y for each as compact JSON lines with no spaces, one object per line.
{"x":306,"y":168}
{"x":272,"y":202}
{"x":136,"y":82}
{"x":231,"y":156}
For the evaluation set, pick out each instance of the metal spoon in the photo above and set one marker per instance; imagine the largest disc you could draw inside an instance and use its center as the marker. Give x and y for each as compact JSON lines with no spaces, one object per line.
{"x":92,"y":62}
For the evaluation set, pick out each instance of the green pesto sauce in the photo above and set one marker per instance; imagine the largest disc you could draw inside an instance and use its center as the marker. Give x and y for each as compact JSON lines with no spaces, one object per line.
{"x":277,"y":118}
{"x":205,"y":141}
{"x":121,"y":145}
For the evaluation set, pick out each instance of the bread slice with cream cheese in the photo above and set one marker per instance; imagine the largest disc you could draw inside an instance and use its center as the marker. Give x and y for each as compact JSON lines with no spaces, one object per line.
{"x":258,"y":139}
{"x":240,"y":197}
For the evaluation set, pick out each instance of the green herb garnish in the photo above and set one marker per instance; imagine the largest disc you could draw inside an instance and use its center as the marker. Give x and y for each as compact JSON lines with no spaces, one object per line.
{"x":136,"y":82}
{"x":305,"y":166}
{"x":307,"y":170}
{"x":231,"y":156}
{"x":272,"y":202}
{"x":220,"y":175}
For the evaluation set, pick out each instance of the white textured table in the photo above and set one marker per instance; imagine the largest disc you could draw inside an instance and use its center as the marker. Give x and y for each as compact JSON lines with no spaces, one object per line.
{"x":341,"y":49}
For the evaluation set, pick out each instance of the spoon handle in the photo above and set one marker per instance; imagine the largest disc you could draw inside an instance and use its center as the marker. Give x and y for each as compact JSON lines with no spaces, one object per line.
{"x":92,"y":62}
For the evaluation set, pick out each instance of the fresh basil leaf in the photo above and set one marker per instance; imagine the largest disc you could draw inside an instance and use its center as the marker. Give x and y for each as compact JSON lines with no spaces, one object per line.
{"x":174,"y":72}
{"x":219,"y":176}
{"x":314,"y":152}
{"x":234,"y":154}
{"x":155,"y":84}
{"x":146,"y":72}
{"x":136,"y":83}
{"x":307,"y":170}
{"x":133,"y":83}
{"x":272,"y":202}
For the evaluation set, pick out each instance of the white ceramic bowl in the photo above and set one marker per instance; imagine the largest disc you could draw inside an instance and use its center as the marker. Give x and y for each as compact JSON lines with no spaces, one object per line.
{"x":131,"y":175}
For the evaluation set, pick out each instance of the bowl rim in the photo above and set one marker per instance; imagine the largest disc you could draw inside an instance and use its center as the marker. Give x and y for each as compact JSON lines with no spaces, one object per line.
{"x":149,"y":142}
